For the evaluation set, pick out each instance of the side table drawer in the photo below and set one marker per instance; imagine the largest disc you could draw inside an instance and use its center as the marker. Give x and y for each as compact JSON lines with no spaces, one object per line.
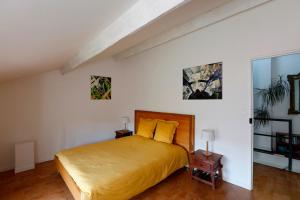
{"x":123,"y":135}
{"x":199,"y":165}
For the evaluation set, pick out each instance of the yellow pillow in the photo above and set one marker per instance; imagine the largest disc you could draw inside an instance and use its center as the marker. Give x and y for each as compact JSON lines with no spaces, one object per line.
{"x":165,"y":131}
{"x":146,"y":127}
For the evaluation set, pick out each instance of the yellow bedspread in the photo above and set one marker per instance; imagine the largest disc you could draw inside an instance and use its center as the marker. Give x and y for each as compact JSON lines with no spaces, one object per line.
{"x":121,"y":168}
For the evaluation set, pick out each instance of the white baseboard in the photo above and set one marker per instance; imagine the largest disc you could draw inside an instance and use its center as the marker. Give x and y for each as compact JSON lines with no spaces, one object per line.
{"x":24,"y":168}
{"x":239,"y":184}
{"x":6,"y":168}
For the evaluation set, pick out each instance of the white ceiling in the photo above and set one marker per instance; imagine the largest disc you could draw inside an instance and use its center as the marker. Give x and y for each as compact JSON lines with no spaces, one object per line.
{"x":40,"y":35}
{"x":173,"y":19}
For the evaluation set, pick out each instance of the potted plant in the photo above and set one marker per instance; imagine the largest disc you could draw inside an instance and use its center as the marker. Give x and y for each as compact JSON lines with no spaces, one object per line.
{"x":272,"y":95}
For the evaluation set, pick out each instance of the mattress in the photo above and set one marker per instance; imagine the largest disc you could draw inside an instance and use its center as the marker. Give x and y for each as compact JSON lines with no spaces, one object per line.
{"x":121,"y":168}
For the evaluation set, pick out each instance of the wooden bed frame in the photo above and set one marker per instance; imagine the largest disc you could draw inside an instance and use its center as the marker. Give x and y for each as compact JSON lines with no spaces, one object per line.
{"x":184,"y":136}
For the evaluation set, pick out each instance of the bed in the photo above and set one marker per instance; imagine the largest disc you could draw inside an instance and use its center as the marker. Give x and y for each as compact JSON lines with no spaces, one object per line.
{"x":125,"y":167}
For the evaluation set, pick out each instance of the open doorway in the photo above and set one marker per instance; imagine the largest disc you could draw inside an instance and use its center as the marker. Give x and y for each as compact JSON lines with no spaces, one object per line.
{"x":276,"y":123}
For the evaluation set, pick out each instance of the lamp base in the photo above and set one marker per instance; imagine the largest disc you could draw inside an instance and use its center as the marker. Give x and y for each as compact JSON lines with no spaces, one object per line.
{"x":207,"y":153}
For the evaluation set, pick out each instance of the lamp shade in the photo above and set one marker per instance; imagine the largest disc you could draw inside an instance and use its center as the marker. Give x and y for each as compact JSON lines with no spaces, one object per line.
{"x":208,"y":135}
{"x":125,"y":120}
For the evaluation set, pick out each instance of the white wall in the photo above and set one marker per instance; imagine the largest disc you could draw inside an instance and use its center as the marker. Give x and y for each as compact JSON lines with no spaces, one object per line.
{"x":261,"y":78}
{"x":156,"y":77}
{"x":261,"y":70}
{"x":56,"y":111}
{"x":286,"y":65}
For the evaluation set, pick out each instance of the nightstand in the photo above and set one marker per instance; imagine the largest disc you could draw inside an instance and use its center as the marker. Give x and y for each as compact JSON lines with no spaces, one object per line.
{"x":123,"y":133}
{"x":207,"y":169}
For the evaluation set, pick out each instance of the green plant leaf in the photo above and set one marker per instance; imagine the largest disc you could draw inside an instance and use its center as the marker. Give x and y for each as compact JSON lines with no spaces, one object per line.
{"x":275,"y":93}
{"x":262,"y":116}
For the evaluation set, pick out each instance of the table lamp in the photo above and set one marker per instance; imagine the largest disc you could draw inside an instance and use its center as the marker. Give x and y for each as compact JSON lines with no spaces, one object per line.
{"x":125,"y":121}
{"x":208,"y":135}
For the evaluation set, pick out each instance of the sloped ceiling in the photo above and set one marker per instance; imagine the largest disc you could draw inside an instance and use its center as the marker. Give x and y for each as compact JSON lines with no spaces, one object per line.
{"x":173,"y":19}
{"x":37,"y":36}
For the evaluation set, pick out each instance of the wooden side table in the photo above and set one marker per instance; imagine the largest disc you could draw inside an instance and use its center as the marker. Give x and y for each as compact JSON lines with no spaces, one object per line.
{"x":123,"y":133}
{"x":207,"y":169}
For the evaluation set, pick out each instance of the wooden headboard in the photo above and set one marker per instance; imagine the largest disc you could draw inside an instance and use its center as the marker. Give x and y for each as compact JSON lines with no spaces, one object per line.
{"x":185,"y":132}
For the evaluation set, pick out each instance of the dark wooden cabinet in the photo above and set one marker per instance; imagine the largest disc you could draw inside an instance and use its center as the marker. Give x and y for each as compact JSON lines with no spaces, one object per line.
{"x":282,"y":145}
{"x":123,"y":133}
{"x":207,"y":169}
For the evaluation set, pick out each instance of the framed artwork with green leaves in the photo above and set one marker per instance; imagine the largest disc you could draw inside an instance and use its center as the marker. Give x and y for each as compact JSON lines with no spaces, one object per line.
{"x":100,"y":87}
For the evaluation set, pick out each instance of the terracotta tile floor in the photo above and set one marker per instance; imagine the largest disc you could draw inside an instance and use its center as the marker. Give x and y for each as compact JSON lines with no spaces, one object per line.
{"x":44,"y":183}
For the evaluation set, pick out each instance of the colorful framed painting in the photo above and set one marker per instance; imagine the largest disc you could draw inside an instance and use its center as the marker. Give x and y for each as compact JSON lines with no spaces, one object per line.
{"x":203,"y":82}
{"x":100,"y":88}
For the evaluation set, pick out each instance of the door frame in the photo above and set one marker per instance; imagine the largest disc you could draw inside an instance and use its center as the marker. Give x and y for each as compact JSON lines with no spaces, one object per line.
{"x":259,"y":57}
